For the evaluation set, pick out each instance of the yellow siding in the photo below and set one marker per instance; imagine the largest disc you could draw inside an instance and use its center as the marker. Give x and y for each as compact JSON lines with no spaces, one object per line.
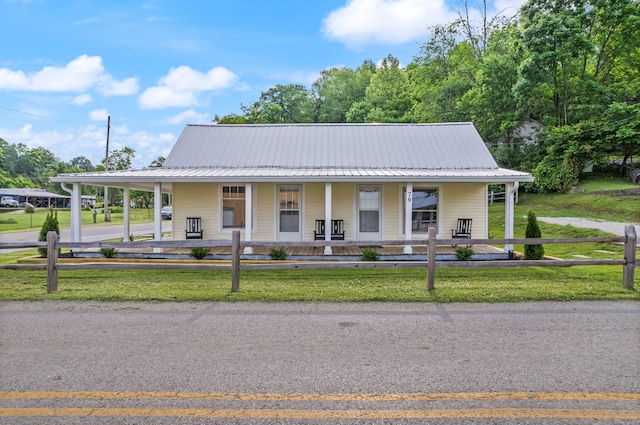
{"x":464,"y":200}
{"x":342,"y":202}
{"x":313,"y":208}
{"x":195,"y":200}
{"x":391,"y":211}
{"x":264,"y":211}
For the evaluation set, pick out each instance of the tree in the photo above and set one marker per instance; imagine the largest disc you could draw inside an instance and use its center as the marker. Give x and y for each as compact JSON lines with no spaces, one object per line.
{"x":121,"y":159}
{"x":157,"y":163}
{"x":536,"y":251}
{"x":338,"y":89}
{"x":290,"y":103}
{"x":81,"y":163}
{"x":387,"y":96}
{"x":50,"y":225}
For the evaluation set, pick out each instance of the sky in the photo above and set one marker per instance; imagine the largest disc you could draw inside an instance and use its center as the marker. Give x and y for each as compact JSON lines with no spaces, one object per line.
{"x":154,"y":66}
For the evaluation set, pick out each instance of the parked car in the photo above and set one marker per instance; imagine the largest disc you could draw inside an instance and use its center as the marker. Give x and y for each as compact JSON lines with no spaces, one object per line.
{"x":25,"y":204}
{"x":166,"y":212}
{"x":8,"y":201}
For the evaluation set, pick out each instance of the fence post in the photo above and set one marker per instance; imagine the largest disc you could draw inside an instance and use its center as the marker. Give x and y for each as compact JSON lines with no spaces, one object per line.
{"x":629,"y":256}
{"x":491,"y":198}
{"x":431,"y":259}
{"x":235,"y":261}
{"x":52,"y":258}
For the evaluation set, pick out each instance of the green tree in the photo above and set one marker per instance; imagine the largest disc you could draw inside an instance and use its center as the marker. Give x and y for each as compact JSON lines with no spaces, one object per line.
{"x":535,"y":251}
{"x":281,"y":104}
{"x":50,"y":225}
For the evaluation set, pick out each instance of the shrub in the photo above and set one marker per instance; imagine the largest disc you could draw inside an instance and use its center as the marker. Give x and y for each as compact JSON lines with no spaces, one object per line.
{"x":199,"y":252}
{"x":278,"y":254}
{"x":463,"y":253}
{"x":533,"y":252}
{"x":109,"y":252}
{"x":116,"y":210}
{"x":50,"y":225}
{"x":370,"y":254}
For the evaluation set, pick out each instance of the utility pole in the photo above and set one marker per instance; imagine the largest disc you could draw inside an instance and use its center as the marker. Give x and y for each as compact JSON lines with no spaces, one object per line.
{"x":107,"y":214}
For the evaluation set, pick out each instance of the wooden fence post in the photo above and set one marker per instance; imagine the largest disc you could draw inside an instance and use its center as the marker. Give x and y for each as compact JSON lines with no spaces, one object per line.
{"x":52,"y":258}
{"x":431,"y":259}
{"x":629,"y":256}
{"x":235,"y":261}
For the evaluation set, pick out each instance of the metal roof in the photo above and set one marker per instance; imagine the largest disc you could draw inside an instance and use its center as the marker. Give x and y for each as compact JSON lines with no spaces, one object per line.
{"x":452,"y":146}
{"x":318,"y":152}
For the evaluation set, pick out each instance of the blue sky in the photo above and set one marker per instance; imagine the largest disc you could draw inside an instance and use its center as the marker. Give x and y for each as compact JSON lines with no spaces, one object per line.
{"x":156,"y":65}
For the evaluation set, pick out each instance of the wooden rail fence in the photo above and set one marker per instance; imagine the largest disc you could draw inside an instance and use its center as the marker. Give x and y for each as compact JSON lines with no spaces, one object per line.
{"x":52,"y":266}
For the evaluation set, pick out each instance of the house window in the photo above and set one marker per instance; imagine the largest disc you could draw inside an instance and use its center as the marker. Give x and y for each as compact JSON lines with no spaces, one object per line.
{"x":233,"y":207}
{"x":424,"y":209}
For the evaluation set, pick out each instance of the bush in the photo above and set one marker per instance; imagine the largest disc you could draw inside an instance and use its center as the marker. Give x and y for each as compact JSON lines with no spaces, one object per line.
{"x":109,"y":252}
{"x":370,"y":254}
{"x":116,"y":210}
{"x":278,"y":254}
{"x":533,"y":252}
{"x":199,"y":252}
{"x":50,"y":225}
{"x":463,"y":253}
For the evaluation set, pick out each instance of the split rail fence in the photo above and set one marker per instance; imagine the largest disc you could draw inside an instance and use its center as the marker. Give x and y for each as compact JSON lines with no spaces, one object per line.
{"x":53,"y":245}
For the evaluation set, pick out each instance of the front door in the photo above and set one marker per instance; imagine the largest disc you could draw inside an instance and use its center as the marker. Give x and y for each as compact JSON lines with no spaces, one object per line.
{"x":368,"y":205}
{"x":289,"y":213}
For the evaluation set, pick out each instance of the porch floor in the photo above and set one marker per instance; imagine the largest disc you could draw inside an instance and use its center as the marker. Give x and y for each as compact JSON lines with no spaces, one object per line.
{"x":310,"y":253}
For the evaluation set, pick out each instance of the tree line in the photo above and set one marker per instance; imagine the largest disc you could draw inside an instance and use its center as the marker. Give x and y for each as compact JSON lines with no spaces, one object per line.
{"x":569,"y":67}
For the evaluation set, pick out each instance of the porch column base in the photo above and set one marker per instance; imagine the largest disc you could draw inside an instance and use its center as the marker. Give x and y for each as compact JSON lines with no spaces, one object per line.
{"x":328,"y":250}
{"x":248,"y":250}
{"x":408,"y":249}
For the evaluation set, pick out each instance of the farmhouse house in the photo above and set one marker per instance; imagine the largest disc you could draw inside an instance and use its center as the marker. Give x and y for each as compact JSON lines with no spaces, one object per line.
{"x":367,"y":182}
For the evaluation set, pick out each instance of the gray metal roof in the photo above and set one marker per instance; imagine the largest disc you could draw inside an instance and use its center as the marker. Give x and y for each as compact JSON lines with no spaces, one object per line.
{"x":453,"y":146}
{"x":318,"y":152}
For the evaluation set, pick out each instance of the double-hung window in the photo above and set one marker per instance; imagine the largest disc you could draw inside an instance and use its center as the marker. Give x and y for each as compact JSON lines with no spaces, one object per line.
{"x":233,"y":207}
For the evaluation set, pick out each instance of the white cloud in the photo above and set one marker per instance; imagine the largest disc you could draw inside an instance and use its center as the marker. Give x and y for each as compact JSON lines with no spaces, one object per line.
{"x":189,"y":116}
{"x":79,"y":75}
{"x":182,"y":85}
{"x":83,"y":99}
{"x":508,"y":8}
{"x":99,"y":115}
{"x":363,"y":22}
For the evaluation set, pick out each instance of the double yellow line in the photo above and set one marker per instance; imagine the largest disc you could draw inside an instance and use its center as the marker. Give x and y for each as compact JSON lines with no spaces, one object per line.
{"x":479,"y":413}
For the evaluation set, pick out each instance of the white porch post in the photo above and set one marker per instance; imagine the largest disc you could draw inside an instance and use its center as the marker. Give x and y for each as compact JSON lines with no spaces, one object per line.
{"x":76,"y":213}
{"x":157,"y":214}
{"x":248,"y":216}
{"x":327,"y":217}
{"x":126,"y":203}
{"x":408,"y":206}
{"x":509,"y":191}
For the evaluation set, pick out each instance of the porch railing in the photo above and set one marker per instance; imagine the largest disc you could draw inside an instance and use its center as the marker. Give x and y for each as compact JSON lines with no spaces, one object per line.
{"x":53,"y":244}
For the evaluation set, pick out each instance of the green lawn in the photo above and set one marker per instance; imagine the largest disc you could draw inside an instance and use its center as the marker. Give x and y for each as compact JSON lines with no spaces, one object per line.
{"x":16,"y":222}
{"x":344,"y":285}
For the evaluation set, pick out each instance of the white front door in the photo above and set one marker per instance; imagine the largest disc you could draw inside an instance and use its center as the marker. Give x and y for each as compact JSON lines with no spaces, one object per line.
{"x":289,"y":228}
{"x":368,"y":219}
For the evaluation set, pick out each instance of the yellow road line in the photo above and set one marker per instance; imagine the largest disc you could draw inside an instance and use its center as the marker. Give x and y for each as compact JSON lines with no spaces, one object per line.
{"x":482,"y":413}
{"x":114,"y":395}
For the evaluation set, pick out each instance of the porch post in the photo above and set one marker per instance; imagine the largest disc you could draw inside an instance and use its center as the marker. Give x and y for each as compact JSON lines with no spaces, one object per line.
{"x":76,"y":213}
{"x":126,"y":204}
{"x":327,"y":217}
{"x":248,"y":216}
{"x":509,"y":190}
{"x":157,"y":214}
{"x":408,"y":206}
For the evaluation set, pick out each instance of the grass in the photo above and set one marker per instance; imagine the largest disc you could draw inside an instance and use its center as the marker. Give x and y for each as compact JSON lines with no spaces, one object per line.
{"x":349,"y":285}
{"x":338,"y":285}
{"x":594,"y":182}
{"x":17,"y":222}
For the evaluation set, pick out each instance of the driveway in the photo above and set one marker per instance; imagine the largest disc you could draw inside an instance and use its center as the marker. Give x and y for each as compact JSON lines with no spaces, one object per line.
{"x":606,"y":226}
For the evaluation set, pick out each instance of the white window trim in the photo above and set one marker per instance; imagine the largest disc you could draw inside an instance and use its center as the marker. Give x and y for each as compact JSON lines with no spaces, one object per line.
{"x":221,"y":228}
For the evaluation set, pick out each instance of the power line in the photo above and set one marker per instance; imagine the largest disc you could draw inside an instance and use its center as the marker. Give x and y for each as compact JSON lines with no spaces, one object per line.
{"x":39,"y":116}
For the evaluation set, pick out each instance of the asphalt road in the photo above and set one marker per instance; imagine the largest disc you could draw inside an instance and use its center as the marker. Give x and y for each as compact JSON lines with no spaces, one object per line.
{"x":351,"y":363}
